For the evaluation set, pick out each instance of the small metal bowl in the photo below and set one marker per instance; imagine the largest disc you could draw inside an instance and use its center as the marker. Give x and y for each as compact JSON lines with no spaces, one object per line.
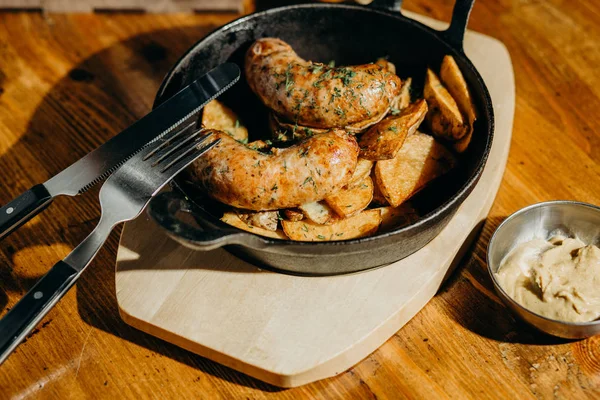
{"x":542,"y":220}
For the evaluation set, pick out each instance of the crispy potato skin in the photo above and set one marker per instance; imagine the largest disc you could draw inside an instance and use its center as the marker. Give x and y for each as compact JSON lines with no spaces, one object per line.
{"x":318,"y":212}
{"x":293,"y":214}
{"x":444,"y":117}
{"x":353,"y":199}
{"x":245,"y":178}
{"x":384,"y":140}
{"x":315,"y":95}
{"x":420,"y":160}
{"x":362,"y":224}
{"x":454,"y":80}
{"x":396,"y":217}
{"x":233,"y":219}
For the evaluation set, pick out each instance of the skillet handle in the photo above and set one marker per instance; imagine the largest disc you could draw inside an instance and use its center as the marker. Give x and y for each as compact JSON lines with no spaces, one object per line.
{"x":455,"y":33}
{"x":165,"y":209}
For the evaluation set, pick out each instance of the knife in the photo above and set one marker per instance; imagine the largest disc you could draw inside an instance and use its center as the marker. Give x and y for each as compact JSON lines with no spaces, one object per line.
{"x":100,"y":163}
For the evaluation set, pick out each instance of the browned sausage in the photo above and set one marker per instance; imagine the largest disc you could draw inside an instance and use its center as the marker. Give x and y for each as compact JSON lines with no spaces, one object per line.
{"x":242,"y":177}
{"x":315,"y":95}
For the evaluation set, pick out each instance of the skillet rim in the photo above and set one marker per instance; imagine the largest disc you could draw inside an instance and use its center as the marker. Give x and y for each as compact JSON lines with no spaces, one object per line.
{"x":455,"y":200}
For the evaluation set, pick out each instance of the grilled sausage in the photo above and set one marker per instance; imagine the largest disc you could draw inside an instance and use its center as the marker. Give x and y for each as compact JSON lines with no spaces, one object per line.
{"x":245,"y":178}
{"x":314,"y":94}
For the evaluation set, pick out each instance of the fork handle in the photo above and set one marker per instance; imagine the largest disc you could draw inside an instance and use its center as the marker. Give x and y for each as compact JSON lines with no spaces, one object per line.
{"x":23,"y":208}
{"x":29,"y":311}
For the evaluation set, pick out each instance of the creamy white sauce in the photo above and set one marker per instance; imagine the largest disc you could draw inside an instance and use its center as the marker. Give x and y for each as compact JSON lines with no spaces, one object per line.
{"x":557,"y":278}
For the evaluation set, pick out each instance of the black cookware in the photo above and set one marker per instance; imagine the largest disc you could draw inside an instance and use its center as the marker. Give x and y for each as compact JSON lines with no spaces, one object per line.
{"x":348,"y":34}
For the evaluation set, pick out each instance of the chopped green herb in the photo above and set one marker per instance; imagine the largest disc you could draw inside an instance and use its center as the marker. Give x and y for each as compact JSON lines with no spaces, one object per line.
{"x":321,"y":236}
{"x":336,"y":93}
{"x":316,"y":68}
{"x":308,"y":132}
{"x":308,"y":179}
{"x":289,"y":80}
{"x":304,"y":228}
{"x":395,"y":111}
{"x":274,"y":187}
{"x":237,"y":123}
{"x":382,"y":89}
{"x":346,"y":75}
{"x":326,"y":75}
{"x":331,"y":64}
{"x":339,"y":111}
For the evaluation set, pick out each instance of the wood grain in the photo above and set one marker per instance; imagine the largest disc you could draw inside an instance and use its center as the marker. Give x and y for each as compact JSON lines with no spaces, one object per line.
{"x":70,"y":82}
{"x":150,"y":6}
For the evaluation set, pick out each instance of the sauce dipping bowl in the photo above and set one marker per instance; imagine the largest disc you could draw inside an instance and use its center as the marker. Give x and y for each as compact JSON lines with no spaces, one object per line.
{"x":543,"y":220}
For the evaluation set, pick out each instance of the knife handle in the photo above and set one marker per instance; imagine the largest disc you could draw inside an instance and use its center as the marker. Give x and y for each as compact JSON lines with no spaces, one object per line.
{"x":23,"y":208}
{"x":29,"y":311}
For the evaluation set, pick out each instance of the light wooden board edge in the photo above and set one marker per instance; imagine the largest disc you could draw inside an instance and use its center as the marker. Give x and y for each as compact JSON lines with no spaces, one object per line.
{"x":387,"y":328}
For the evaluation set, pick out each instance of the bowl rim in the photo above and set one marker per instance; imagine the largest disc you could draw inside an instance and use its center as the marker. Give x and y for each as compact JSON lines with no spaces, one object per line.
{"x":500,"y":289}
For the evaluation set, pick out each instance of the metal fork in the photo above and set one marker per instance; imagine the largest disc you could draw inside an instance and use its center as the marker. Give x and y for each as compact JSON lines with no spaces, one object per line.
{"x":122,"y":198}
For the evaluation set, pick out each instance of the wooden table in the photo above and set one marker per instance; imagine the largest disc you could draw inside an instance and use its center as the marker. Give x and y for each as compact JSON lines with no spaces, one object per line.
{"x":69,"y":82}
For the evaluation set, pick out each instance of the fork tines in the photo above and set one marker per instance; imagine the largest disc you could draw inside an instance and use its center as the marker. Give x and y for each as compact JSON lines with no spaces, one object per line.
{"x":180,"y":147}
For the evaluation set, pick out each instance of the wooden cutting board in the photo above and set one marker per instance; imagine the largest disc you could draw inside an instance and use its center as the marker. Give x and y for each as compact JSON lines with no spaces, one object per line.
{"x":290,"y":330}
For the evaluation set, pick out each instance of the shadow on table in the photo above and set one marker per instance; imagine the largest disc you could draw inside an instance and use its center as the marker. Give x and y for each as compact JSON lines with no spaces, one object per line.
{"x":473,"y":303}
{"x":94,"y":101}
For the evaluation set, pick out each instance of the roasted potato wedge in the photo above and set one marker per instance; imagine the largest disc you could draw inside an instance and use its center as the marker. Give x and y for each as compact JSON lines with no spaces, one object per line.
{"x":217,"y":115}
{"x":384,"y":140}
{"x":293,"y":214}
{"x":444,"y":117}
{"x":363,"y":169}
{"x":318,"y":212}
{"x":453,"y":79}
{"x":404,"y":98}
{"x":262,"y":219}
{"x":352,"y":200}
{"x":362,"y":224}
{"x":396,"y":217}
{"x":233,"y":219}
{"x":378,"y":197}
{"x":420,"y":160}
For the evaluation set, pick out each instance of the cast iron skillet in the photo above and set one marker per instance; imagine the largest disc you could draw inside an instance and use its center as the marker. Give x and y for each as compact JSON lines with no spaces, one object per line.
{"x":348,"y":34}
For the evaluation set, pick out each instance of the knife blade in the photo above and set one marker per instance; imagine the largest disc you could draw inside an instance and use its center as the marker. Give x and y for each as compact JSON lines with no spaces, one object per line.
{"x":101,"y":162}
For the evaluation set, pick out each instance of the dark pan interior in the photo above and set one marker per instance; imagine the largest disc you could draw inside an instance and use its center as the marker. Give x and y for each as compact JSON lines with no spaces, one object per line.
{"x":349,"y":35}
